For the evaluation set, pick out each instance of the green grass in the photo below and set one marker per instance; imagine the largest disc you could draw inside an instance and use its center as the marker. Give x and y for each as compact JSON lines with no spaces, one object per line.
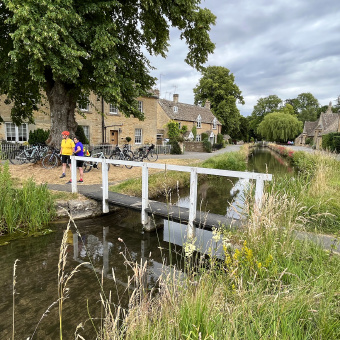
{"x":25,"y":209}
{"x":160,"y":183}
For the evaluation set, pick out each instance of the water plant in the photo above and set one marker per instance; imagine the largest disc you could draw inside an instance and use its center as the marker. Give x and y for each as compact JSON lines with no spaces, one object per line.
{"x":26,"y":209}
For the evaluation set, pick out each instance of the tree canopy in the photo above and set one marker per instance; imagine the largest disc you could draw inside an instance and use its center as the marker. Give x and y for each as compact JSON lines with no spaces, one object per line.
{"x":305,"y":106}
{"x":280,"y":126}
{"x":67,"y":49}
{"x":218,"y":86}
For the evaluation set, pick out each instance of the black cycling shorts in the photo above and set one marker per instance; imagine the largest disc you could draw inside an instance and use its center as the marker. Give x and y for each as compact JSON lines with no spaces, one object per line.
{"x":66,"y":159}
{"x":79,"y":163}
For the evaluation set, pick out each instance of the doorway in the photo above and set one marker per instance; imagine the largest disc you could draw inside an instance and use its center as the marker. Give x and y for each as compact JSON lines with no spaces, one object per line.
{"x":113,"y":137}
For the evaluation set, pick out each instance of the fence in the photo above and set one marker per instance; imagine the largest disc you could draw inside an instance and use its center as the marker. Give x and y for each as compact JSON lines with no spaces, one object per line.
{"x":7,"y":148}
{"x":194,"y":171}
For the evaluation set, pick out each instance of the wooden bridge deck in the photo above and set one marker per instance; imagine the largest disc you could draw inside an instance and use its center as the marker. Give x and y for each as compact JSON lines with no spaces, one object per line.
{"x":174,"y":213}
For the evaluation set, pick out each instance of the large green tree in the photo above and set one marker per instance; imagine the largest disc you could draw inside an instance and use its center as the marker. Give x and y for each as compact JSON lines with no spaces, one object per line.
{"x":306,"y":106}
{"x":67,"y":49}
{"x":280,"y":126}
{"x":218,"y":86}
{"x":264,"y":106}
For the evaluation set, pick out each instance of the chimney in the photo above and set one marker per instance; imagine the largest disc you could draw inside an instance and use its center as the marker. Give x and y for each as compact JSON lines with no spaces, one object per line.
{"x":207,"y":104}
{"x":156,"y":92}
{"x":175,"y":98}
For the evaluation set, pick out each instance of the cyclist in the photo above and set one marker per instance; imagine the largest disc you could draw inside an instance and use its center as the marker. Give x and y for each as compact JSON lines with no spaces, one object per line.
{"x":79,"y":151}
{"x":66,"y":150}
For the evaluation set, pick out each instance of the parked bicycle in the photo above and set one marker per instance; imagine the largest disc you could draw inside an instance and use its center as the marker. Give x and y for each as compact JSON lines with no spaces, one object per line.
{"x":122,"y":154}
{"x":32,"y":154}
{"x":52,"y":159}
{"x":146,"y":152}
{"x":88,"y":165}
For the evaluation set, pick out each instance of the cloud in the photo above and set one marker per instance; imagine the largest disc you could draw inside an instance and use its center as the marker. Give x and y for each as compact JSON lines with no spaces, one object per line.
{"x":271,"y":47}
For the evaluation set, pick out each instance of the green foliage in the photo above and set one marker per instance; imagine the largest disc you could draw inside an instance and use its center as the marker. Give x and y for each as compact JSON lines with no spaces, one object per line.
{"x":69,"y":49}
{"x":204,"y":136}
{"x":27,"y":209}
{"x":309,"y":140}
{"x":194,"y":131}
{"x":81,"y":135}
{"x":336,"y":143}
{"x":207,"y":145}
{"x":175,"y":148}
{"x":173,"y":130}
{"x":38,"y":136}
{"x":329,"y":141}
{"x":218,"y":86}
{"x":128,"y":139}
{"x":227,"y":161}
{"x":219,"y":138}
{"x":279,"y":126}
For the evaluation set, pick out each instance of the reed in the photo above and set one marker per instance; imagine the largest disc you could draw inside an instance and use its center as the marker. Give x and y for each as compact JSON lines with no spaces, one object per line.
{"x":26,"y":209}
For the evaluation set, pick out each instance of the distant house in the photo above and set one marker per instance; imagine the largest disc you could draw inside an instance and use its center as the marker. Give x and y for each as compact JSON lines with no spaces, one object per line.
{"x":189,"y":115}
{"x":328,"y":122}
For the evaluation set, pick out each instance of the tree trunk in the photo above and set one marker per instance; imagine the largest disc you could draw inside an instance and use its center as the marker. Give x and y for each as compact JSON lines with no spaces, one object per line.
{"x":62,"y":103}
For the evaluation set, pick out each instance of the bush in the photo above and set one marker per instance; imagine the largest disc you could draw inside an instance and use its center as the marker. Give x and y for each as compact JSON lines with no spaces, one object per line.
{"x":204,"y":136}
{"x":336,"y":143}
{"x":175,"y":148}
{"x":219,"y":139}
{"x":206,"y":145}
{"x":309,"y":141}
{"x":81,"y":135}
{"x":38,"y":136}
{"x":217,"y":146}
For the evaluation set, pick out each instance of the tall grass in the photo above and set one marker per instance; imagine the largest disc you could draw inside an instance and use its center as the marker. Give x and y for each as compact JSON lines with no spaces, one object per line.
{"x":28,"y":208}
{"x":273,"y":286}
{"x":317,"y":187}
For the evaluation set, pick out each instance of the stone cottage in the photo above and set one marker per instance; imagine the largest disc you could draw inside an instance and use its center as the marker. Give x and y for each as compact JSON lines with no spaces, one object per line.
{"x":189,"y":115}
{"x":328,"y":122}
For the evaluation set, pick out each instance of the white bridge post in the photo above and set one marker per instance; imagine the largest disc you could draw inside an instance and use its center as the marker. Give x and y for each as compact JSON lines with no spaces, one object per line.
{"x":193,"y":203}
{"x":105,"y":186}
{"x":74,"y":174}
{"x":259,"y":191}
{"x":145,"y":194}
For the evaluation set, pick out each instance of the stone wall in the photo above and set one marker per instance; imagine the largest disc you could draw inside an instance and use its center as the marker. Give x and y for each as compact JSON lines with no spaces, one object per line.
{"x":194,"y":147}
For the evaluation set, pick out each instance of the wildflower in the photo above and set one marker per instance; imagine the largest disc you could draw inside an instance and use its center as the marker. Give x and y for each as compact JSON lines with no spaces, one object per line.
{"x":189,"y":248}
{"x":120,"y":240}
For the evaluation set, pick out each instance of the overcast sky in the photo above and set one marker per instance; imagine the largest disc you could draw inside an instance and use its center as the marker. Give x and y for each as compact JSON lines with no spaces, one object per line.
{"x":271,"y":46}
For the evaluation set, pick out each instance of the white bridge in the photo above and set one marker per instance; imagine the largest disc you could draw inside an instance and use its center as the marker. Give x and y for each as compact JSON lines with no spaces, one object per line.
{"x":194,"y":171}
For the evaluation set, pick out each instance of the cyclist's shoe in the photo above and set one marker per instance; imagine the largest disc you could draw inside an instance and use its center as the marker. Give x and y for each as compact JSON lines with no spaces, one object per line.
{"x":69,"y":182}
{"x":80,"y":181}
{"x":95,"y":166}
{"x":62,"y":176}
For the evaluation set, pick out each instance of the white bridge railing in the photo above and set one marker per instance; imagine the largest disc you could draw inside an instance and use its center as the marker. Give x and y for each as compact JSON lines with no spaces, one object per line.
{"x":194,"y":171}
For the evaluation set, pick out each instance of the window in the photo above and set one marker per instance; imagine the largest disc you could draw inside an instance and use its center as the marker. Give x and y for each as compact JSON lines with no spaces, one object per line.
{"x":179,"y":125}
{"x":84,"y":106}
{"x":198,"y":138}
{"x":140,"y":106}
{"x":138,"y":136}
{"x":199,"y":120}
{"x":86,"y":129}
{"x":16,"y":133}
{"x":175,"y":109}
{"x":113,"y":110}
{"x":214,"y":123}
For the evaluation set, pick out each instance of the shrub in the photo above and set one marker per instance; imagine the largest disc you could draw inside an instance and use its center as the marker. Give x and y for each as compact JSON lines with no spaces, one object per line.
{"x":309,"y":141}
{"x":336,"y":143}
{"x":204,"y":136}
{"x":175,"y":148}
{"x":219,"y":139}
{"x":206,"y":145}
{"x":38,"y":136}
{"x":81,"y":135}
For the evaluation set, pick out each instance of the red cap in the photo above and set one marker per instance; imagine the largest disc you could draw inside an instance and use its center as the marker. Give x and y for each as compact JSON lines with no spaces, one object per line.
{"x":66,"y":133}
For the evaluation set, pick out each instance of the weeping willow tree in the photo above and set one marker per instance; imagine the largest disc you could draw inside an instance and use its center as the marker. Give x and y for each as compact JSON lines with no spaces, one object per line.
{"x":279,"y":126}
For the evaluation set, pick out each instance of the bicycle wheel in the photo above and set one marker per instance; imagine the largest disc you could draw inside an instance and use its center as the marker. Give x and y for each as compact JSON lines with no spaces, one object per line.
{"x":87,"y":166}
{"x":17,"y":157}
{"x":152,"y":156}
{"x":49,"y":161}
{"x":116,"y":156}
{"x":128,"y":158}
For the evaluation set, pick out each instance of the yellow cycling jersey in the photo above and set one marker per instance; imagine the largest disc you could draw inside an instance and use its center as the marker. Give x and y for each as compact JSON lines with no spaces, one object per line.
{"x":67,"y":146}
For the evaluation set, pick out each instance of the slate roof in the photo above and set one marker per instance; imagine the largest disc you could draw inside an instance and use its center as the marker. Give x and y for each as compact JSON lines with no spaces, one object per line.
{"x":187,"y":112}
{"x":329,"y":122}
{"x":309,"y":128}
